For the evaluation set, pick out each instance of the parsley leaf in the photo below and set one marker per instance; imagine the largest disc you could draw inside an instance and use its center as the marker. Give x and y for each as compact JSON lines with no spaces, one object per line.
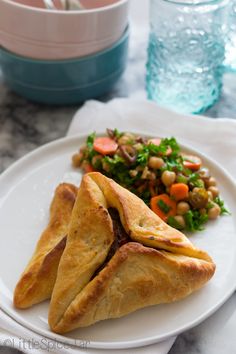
{"x":174,"y":223}
{"x":194,"y":220}
{"x":163,"y":206}
{"x":174,"y":163}
{"x":90,"y":153}
{"x":172,"y":143}
{"x":193,"y":177}
{"x":90,"y":140}
{"x":182,"y":179}
{"x":146,"y":196}
{"x":118,"y":170}
{"x":143,"y":155}
{"x":117,"y":134}
{"x":223,"y":210}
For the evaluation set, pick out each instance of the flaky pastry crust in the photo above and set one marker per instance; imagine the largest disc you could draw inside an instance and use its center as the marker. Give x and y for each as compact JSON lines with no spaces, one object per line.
{"x":38,"y":279}
{"x":158,"y":264}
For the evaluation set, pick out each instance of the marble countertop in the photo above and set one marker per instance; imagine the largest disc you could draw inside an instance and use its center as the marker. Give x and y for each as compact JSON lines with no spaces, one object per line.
{"x":25,"y":125}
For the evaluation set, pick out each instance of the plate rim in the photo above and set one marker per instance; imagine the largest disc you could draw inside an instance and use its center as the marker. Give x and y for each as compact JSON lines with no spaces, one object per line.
{"x":114,"y":344}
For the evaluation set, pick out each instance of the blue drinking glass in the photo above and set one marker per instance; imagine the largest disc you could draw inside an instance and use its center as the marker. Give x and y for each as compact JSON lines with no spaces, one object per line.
{"x":230,"y":52}
{"x":186,"y":52}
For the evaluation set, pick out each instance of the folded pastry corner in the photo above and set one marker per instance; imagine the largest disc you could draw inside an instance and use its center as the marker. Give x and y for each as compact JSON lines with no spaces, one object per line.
{"x":120,"y":257}
{"x":37,"y":281}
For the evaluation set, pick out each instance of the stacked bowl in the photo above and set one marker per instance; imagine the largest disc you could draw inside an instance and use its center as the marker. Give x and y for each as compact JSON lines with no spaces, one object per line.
{"x":63,"y":57}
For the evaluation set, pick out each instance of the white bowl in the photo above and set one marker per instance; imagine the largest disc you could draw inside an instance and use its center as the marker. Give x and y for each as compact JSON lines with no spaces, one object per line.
{"x":39,"y":33}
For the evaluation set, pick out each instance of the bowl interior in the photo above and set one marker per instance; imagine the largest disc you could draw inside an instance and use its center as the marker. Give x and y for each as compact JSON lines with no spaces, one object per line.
{"x":87,"y":4}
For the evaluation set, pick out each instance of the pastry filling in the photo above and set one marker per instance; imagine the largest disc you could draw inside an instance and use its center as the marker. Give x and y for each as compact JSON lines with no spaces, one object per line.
{"x":120,"y":237}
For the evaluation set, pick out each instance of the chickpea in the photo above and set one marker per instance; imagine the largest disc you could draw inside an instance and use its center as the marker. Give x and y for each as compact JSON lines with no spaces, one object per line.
{"x":126,"y":139}
{"x":180,"y":220}
{"x":214,"y":211}
{"x":77,"y":159}
{"x":105,"y":166}
{"x":182,"y":208}
{"x":210,"y":195}
{"x":138,"y":146}
{"x":168,"y":178}
{"x":155,"y":162}
{"x":214,"y":190}
{"x":133,"y":173}
{"x":211,"y":182}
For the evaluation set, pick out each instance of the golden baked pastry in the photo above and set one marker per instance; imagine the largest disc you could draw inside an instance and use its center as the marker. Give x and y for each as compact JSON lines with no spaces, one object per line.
{"x":120,"y":257}
{"x":37,"y":281}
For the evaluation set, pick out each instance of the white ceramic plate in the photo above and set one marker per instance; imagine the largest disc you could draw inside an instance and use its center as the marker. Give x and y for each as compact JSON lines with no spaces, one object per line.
{"x":26,"y":190}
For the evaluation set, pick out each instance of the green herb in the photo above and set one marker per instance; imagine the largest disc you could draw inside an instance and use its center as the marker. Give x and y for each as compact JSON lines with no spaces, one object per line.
{"x":182,"y":179}
{"x":195,"y":180}
{"x":223,"y":210}
{"x":189,"y":173}
{"x":172,"y":143}
{"x":146,"y":196}
{"x":193,"y":177}
{"x":90,"y":153}
{"x":114,"y":161}
{"x":195,"y":220}
{"x":174,"y":163}
{"x":163,"y":147}
{"x":143,"y":155}
{"x":124,"y":178}
{"x":174,"y":223}
{"x":90,"y":140}
{"x":117,"y":134}
{"x":118,"y":170}
{"x":163,"y":206}
{"x":98,"y":163}
{"x":157,"y":149}
{"x":198,"y":183}
{"x":209,"y":205}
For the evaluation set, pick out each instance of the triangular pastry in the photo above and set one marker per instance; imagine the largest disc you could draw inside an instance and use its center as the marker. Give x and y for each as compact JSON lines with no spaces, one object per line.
{"x":120,"y":257}
{"x":37,"y":281}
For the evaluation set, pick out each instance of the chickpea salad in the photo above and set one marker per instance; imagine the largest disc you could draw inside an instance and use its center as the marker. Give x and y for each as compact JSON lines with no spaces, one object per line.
{"x":175,"y":185}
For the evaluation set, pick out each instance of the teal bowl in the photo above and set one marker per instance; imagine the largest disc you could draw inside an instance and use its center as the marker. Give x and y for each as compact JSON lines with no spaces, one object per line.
{"x":62,"y":82}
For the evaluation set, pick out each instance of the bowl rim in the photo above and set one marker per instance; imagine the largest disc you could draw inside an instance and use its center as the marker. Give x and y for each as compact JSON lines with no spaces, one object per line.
{"x":65,"y":12}
{"x":122,"y":39}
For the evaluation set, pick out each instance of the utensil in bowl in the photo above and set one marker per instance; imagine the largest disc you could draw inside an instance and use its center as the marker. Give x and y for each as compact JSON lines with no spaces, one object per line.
{"x":65,"y":5}
{"x":49,"y":4}
{"x":73,"y":5}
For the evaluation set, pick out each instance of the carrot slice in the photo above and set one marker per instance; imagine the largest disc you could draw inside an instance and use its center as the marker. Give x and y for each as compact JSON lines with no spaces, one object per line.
{"x":179,"y":191}
{"x":192,"y":162}
{"x":157,"y":141}
{"x":105,"y":145}
{"x":163,"y":206}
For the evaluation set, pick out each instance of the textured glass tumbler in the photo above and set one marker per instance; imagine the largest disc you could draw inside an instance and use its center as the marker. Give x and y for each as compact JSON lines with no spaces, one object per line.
{"x":230,"y":55}
{"x":185,"y":53}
